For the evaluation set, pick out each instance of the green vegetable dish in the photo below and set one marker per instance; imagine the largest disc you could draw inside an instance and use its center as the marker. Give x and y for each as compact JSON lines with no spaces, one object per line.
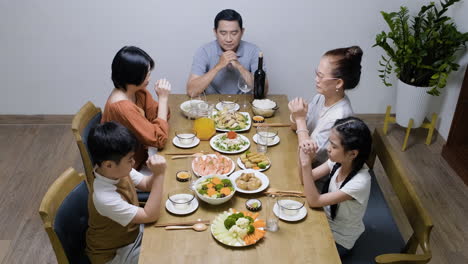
{"x":231,"y":120}
{"x":226,"y":144}
{"x":240,"y":220}
{"x":215,"y":187}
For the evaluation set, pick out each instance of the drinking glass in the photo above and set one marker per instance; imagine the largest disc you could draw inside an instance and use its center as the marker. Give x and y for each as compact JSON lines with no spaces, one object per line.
{"x":244,"y":88}
{"x":271,"y":218}
{"x":262,"y":140}
{"x":194,"y":102}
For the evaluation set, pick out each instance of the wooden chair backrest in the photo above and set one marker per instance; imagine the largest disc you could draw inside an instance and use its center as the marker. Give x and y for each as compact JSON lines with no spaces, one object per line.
{"x":80,"y":121}
{"x":417,"y":215}
{"x":50,"y":204}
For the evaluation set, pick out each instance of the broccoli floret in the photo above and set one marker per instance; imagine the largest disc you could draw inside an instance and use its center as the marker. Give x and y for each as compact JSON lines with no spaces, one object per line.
{"x":204,"y":187}
{"x":229,"y":222}
{"x":219,"y":186}
{"x":239,"y":215}
{"x":250,"y":219}
{"x":202,"y":191}
{"x":250,"y":229}
{"x":226,"y":183}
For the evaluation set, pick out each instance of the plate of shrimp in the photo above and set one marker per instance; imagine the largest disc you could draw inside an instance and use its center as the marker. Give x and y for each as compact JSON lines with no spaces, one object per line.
{"x":211,"y":164}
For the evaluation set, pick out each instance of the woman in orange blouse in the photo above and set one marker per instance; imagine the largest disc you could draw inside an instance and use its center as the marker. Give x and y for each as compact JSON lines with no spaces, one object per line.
{"x":132,"y":105}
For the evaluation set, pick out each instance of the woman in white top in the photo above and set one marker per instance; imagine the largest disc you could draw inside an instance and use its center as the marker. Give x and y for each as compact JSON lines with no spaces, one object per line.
{"x":346,"y":193}
{"x":339,"y":70}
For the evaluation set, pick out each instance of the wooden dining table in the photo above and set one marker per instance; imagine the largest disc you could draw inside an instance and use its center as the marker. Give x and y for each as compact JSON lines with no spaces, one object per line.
{"x":306,"y":241}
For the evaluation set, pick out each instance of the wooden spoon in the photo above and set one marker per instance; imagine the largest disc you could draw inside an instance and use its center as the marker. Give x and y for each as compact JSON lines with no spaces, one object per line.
{"x":197,"y":227}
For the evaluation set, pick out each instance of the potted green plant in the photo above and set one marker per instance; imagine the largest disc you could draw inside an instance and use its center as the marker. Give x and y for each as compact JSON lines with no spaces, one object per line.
{"x":422,"y":51}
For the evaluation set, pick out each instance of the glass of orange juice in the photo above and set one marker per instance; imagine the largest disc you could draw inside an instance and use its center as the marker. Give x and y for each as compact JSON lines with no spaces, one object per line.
{"x":204,"y":126}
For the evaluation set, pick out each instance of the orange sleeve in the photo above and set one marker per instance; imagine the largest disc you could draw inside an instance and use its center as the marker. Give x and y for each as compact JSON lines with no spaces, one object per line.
{"x":150,"y":133}
{"x":145,"y":101}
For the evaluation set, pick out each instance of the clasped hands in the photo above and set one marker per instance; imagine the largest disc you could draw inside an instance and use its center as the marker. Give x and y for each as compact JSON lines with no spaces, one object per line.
{"x":229,"y":57}
{"x":298,"y":108}
{"x":307,"y":151}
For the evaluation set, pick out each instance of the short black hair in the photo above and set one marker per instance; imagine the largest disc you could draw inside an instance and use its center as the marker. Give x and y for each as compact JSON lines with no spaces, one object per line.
{"x":110,"y":141}
{"x":229,"y":15}
{"x":130,"y":66}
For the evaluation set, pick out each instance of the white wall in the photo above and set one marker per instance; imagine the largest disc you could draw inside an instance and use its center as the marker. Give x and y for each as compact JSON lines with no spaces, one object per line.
{"x":55,"y":55}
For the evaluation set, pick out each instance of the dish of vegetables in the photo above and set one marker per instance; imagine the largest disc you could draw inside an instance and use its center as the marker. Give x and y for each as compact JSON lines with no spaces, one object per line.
{"x":215,"y":187}
{"x":238,"y":229}
{"x":230,"y":143}
{"x":232,"y":121}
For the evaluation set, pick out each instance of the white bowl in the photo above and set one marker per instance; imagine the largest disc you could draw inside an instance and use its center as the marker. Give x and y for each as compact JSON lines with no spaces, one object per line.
{"x":210,"y":200}
{"x":189,"y":108}
{"x":265,"y":112}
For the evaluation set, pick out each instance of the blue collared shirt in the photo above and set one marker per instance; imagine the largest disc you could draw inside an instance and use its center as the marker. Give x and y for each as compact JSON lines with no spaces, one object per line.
{"x":225,"y":82}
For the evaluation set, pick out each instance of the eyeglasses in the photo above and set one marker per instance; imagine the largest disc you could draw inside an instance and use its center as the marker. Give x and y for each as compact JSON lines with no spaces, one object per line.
{"x":320,"y":78}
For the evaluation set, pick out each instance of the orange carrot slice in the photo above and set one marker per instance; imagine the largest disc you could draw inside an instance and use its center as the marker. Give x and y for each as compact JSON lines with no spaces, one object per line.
{"x":259,"y":223}
{"x":211,"y":191}
{"x":216,"y":180}
{"x":225,"y":190}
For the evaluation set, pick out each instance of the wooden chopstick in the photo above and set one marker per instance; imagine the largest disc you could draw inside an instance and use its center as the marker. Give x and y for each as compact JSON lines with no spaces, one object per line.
{"x":272,"y":124}
{"x":179,"y":153}
{"x":183,"y":223}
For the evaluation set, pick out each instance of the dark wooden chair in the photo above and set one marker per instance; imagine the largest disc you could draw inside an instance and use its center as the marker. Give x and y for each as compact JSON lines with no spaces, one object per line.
{"x":87,"y":117}
{"x":382,"y":241}
{"x":64,"y":212}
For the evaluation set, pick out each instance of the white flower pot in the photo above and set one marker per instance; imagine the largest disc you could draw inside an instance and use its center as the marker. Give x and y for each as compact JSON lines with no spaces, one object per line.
{"x":412,"y":102}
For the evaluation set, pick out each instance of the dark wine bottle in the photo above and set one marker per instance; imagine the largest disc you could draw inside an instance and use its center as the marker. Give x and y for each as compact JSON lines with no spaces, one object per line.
{"x":259,"y":79}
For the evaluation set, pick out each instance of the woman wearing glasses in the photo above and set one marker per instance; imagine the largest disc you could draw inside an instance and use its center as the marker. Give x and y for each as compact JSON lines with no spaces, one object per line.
{"x":338,"y":70}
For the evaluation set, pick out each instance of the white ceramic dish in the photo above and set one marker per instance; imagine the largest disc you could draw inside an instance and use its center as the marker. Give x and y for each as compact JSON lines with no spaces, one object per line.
{"x":214,"y":201}
{"x":249,"y":124}
{"x":291,"y":218}
{"x":219,"y":106}
{"x":242,"y":149}
{"x":219,"y":220}
{"x":242,"y":166}
{"x":233,"y":166}
{"x":177,"y":143}
{"x":192,"y":207}
{"x":261,"y":176}
{"x":276,"y":140}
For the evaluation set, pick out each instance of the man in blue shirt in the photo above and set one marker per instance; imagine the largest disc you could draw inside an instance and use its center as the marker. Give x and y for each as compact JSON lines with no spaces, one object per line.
{"x":218,"y":65}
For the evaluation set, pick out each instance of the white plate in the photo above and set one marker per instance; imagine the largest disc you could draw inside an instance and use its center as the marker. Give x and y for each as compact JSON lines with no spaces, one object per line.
{"x":177,"y":143}
{"x":261,"y":176}
{"x":243,"y":148}
{"x":219,"y":106}
{"x":221,"y":217}
{"x":276,"y":140}
{"x":242,"y":166}
{"x":249,"y":123}
{"x":193,"y":206}
{"x":299,"y":216}
{"x":233,"y":167}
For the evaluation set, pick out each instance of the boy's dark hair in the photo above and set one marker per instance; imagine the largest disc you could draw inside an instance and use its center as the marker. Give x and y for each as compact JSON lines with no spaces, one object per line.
{"x":130,"y":66}
{"x":110,"y":141}
{"x":229,"y":15}
{"x":347,"y":65}
{"x":354,"y":135}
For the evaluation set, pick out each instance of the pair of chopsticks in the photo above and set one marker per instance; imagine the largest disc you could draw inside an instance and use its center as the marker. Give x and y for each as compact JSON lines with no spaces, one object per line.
{"x":272,"y":191}
{"x":271,"y":124}
{"x":187,"y":223}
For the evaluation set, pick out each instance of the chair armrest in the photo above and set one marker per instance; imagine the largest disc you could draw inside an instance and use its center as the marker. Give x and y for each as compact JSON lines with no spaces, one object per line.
{"x":402,"y":258}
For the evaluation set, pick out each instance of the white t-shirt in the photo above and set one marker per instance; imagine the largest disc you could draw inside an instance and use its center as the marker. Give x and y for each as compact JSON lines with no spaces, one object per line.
{"x":347,"y":225}
{"x":108,"y":201}
{"x":320,"y":120}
